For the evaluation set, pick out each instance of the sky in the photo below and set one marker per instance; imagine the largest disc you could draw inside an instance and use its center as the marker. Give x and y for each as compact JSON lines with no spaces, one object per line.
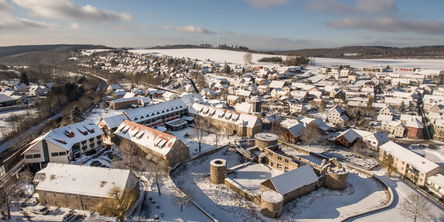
{"x":257,"y":24}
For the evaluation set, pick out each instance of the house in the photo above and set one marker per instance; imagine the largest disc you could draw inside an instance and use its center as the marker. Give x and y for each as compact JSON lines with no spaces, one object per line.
{"x":337,"y":116}
{"x":113,"y":87}
{"x":350,"y":136}
{"x":438,"y":128}
{"x":292,"y":134}
{"x":164,"y":147}
{"x":303,"y":181}
{"x":297,"y":107}
{"x":81,"y":187}
{"x":414,"y":128}
{"x":6,"y":100}
{"x":109,"y":125}
{"x":435,"y":184}
{"x":409,"y":164}
{"x":36,"y":90}
{"x":230,"y":122}
{"x":394,"y":128}
{"x":123,"y":103}
{"x":64,"y":144}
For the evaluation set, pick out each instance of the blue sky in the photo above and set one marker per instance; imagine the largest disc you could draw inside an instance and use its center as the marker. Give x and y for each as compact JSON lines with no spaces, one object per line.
{"x":258,"y":24}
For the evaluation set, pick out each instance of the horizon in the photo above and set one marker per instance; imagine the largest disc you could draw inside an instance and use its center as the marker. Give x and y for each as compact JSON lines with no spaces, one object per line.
{"x":256,"y":24}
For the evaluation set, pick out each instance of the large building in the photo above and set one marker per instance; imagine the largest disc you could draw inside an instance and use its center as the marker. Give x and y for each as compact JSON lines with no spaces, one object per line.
{"x":81,"y":187}
{"x":227,"y":121}
{"x":409,"y":164}
{"x":164,"y":146}
{"x":64,"y":144}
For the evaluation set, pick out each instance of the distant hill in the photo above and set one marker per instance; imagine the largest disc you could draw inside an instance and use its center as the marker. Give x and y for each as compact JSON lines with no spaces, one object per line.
{"x":41,"y":54}
{"x":370,"y":52}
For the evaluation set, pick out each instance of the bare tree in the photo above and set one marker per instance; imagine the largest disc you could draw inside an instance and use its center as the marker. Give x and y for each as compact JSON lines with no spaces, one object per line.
{"x":10,"y":189}
{"x":360,"y":147}
{"x":248,"y":58}
{"x":201,"y":126}
{"x":415,"y":207}
{"x":156,"y":170}
{"x":181,"y":199}
{"x":387,"y":162}
{"x":311,"y":134}
{"x":118,"y":203}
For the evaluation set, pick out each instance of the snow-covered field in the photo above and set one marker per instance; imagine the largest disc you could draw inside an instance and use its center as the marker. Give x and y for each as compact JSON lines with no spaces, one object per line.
{"x":324,"y":204}
{"x":237,"y":58}
{"x":217,"y":55}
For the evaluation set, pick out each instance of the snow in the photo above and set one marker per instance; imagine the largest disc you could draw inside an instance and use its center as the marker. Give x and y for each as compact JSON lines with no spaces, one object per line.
{"x":300,"y":177}
{"x":5,"y":126}
{"x":272,"y":196}
{"x":217,"y":55}
{"x":251,"y":176}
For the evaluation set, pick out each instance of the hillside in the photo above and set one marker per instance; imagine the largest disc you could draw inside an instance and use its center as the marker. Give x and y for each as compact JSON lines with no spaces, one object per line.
{"x":41,"y":54}
{"x":370,"y":52}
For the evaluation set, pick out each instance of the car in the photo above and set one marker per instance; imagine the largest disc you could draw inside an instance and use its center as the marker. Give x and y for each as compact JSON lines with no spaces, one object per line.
{"x":44,"y":210}
{"x":69,"y":217}
{"x":95,"y":163}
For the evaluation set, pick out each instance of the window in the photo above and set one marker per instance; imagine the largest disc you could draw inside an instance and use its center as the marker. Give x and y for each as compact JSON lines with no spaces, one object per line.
{"x":37,"y":155}
{"x":29,"y":156}
{"x":62,"y":153}
{"x":279,"y":165}
{"x":279,"y":158}
{"x":271,"y":163}
{"x":286,"y":160}
{"x":55,"y":154}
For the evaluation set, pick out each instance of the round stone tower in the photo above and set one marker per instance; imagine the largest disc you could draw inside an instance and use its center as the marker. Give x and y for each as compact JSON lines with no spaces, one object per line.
{"x":336,"y":180}
{"x":272,"y":203}
{"x":263,"y":140}
{"x":218,"y":171}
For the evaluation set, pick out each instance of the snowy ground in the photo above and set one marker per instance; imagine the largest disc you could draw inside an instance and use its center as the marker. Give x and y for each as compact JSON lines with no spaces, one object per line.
{"x":237,"y":58}
{"x":324,"y":204}
{"x":251,"y":176}
{"x":188,"y":136}
{"x":394,"y":213}
{"x":5,"y":125}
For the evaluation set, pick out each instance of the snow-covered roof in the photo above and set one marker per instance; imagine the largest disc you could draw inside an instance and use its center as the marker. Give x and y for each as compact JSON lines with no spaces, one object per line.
{"x":246,"y":120}
{"x":437,"y":179}
{"x":156,"y":110}
{"x":297,"y":129}
{"x":112,"y":121}
{"x":244,"y":107}
{"x":420,"y":163}
{"x":82,"y":180}
{"x":295,"y":179}
{"x":147,"y":137}
{"x":414,"y":123}
{"x":66,"y":136}
{"x":277,"y":84}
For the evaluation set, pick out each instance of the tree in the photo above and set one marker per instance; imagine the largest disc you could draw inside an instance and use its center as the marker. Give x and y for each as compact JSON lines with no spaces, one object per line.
{"x":248,"y":58}
{"x":131,"y":154}
{"x":415,"y":207}
{"x":118,"y":203}
{"x":155,"y":169}
{"x":76,"y":114}
{"x":10,"y":189}
{"x":226,"y":69}
{"x":387,"y":162}
{"x":311,"y":134}
{"x":181,"y":199}
{"x":360,"y":147}
{"x":201,"y":126}
{"x":24,"y":79}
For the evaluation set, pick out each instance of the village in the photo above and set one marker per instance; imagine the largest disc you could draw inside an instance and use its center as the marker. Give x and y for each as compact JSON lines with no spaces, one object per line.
{"x":247,"y":140}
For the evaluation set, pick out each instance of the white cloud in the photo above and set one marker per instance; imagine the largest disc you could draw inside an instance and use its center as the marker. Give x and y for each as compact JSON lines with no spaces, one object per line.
{"x":191,"y":28}
{"x":66,"y":9}
{"x":76,"y":26}
{"x":267,"y":3}
{"x":389,"y":24}
{"x":376,"y":6}
{"x":9,"y":21}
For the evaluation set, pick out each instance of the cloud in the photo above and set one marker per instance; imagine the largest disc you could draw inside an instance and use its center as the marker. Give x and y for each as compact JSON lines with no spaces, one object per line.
{"x":9,"y":21}
{"x":191,"y":28}
{"x":76,"y":26}
{"x":65,"y":9}
{"x":357,"y":7}
{"x":267,"y":3}
{"x":389,"y":24}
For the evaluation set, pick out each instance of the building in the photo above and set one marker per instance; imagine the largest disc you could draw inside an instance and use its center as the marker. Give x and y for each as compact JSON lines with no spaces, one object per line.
{"x":438,"y":128}
{"x":158,"y":114}
{"x":123,"y":103}
{"x":165,"y":147}
{"x":350,"y":136}
{"x":409,"y":164}
{"x":435,"y":184}
{"x":81,"y":187}
{"x":304,"y":180}
{"x":394,"y":128}
{"x":337,"y":116}
{"x":64,"y":144}
{"x":6,"y":100}
{"x":109,"y":125}
{"x":230,"y":122}
{"x":414,"y":128}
